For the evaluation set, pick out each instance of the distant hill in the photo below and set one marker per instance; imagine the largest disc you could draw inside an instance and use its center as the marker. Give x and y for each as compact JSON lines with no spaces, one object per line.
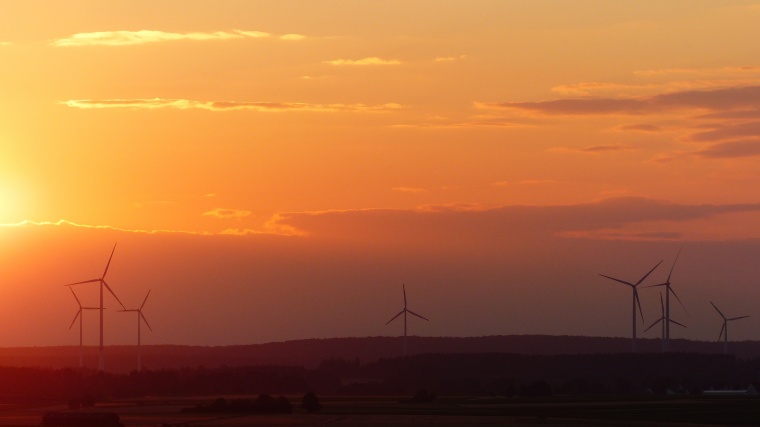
{"x":311,"y":352}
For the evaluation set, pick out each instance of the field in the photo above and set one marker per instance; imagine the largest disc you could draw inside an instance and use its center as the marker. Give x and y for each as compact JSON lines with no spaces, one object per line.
{"x":447,"y":411}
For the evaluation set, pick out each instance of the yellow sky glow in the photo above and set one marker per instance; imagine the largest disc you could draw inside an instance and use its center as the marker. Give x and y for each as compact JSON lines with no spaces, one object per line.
{"x":292,"y":130}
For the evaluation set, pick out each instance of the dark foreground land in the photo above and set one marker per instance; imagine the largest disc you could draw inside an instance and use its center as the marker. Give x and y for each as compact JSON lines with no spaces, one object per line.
{"x":487,"y":389}
{"x":448,"y":411}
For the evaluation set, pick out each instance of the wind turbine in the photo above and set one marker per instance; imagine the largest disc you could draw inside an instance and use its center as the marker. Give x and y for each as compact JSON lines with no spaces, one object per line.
{"x":81,"y":317}
{"x":635,"y":301}
{"x":404,"y":311}
{"x":103,"y":283}
{"x":140,"y":318}
{"x":669,"y":290}
{"x":724,"y":329}
{"x":663,"y":318}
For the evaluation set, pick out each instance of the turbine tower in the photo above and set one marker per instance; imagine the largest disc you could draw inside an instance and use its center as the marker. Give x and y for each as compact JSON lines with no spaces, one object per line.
{"x":404,"y":312}
{"x":724,"y":329}
{"x":81,"y":317}
{"x":140,"y":318}
{"x":635,"y":301}
{"x":663,"y":318}
{"x":669,"y":290}
{"x":102,"y":281}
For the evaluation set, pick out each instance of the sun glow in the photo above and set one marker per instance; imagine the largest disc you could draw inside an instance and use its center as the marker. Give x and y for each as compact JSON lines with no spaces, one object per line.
{"x":10,"y":203}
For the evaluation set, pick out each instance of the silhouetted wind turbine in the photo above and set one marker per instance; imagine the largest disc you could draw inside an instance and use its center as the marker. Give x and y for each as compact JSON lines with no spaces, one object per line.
{"x":140,"y":318}
{"x":404,"y":311}
{"x":724,"y":329}
{"x":635,"y":301}
{"x":663,"y":318}
{"x":668,"y":291}
{"x":81,"y":317}
{"x":102,"y":281}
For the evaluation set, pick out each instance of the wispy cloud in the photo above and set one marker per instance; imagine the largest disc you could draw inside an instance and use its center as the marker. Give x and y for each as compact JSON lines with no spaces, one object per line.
{"x":63,"y":222}
{"x":728,"y":131}
{"x":593,"y":149}
{"x":589,"y":89}
{"x":450,"y":58}
{"x":125,"y":38}
{"x":744,"y":97}
{"x":699,"y":71}
{"x":639,"y":128}
{"x":409,"y":189}
{"x":228,"y":213}
{"x":475,"y":124}
{"x":292,"y":37}
{"x":185,"y":104}
{"x":364,"y":61}
{"x":731,"y":149}
{"x":625,"y":218}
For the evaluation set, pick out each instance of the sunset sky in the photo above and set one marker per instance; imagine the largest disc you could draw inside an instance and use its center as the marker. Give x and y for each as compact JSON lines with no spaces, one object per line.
{"x":276,"y":170}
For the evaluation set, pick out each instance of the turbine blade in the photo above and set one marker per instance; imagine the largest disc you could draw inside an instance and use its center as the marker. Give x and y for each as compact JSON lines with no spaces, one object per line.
{"x":674,"y":264}
{"x":112,"y":293}
{"x":662,"y":306}
{"x":737,"y":318}
{"x":617,"y":280}
{"x":654,"y":286}
{"x":652,"y":325}
{"x":79,"y":303}
{"x":679,"y":324}
{"x":721,"y":330}
{"x":421,"y":317}
{"x":679,"y":299}
{"x":719,"y":312}
{"x":75,"y":318}
{"x":145,"y":300}
{"x":636,"y":298}
{"x":109,"y":261}
{"x":650,"y":272}
{"x":145,"y":320}
{"x":394,"y":317}
{"x":85,"y":281}
{"x":403,"y":287}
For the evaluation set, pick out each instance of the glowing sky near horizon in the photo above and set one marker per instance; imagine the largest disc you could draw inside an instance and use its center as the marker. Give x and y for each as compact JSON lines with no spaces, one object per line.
{"x":276,"y":170}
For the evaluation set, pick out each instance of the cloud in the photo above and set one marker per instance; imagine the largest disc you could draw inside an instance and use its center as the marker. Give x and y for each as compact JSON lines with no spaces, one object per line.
{"x":63,"y":222}
{"x":458,"y":225}
{"x":5,"y":43}
{"x":589,"y":88}
{"x":482,"y":124}
{"x":728,"y":131}
{"x":292,"y":37}
{"x":699,"y":71}
{"x":593,"y":149}
{"x":450,"y":58}
{"x":228,"y":213}
{"x":364,"y":61}
{"x":639,"y":128}
{"x":731,"y":149}
{"x":744,"y":97}
{"x":409,"y":189}
{"x":184,"y":104}
{"x":125,"y":38}
{"x":731,"y":115}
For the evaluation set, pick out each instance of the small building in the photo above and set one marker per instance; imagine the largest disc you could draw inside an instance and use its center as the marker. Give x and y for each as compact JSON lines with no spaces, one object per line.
{"x":749,"y":391}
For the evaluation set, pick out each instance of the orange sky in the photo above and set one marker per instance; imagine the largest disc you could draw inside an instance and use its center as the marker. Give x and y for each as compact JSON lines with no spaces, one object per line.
{"x":286,"y":166}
